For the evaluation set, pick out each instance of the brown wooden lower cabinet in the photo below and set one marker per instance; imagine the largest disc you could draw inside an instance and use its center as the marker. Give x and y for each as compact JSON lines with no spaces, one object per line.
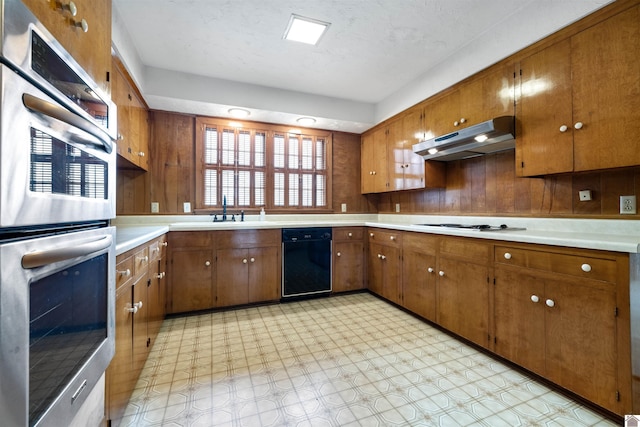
{"x":210,"y":269}
{"x":140,"y":309}
{"x":348,"y":259}
{"x":559,"y":312}
{"x":384,"y":264}
{"x":556,"y":314}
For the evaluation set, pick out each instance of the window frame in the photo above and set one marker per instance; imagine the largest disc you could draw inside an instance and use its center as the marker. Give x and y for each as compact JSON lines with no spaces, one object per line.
{"x":270,"y":130}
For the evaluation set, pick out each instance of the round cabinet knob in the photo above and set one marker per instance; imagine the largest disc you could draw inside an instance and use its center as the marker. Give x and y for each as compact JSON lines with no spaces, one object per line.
{"x":71,"y":7}
{"x":578,"y":125}
{"x":370,"y":172}
{"x":120,"y":137}
{"x":374,"y":172}
{"x":82,"y":24}
{"x":141,"y":154}
{"x":535,"y":298}
{"x":207,"y":263}
{"x":379,"y":255}
{"x":550,"y":303}
{"x":133,"y":309}
{"x":350,"y":234}
{"x":456,"y":123}
{"x":392,"y":237}
{"x":244,"y":261}
{"x":563,"y":128}
{"x":252,"y":260}
{"x":463,"y":120}
{"x":165,"y":244}
{"x":338,"y":254}
{"x":138,"y":305}
{"x":430,"y":270}
{"x":159,"y":275}
{"x":125,"y":273}
{"x":586,"y":268}
{"x":441,"y":273}
{"x":383,"y":257}
{"x":507,"y":255}
{"x":371,"y":235}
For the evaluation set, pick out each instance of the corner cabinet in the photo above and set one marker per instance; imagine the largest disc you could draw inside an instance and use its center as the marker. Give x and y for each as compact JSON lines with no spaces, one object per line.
{"x":90,"y":48}
{"x":559,"y":313}
{"x":579,"y":105}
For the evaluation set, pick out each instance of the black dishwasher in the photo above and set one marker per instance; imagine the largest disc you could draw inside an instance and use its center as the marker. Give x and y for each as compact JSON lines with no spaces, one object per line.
{"x":306,"y":262}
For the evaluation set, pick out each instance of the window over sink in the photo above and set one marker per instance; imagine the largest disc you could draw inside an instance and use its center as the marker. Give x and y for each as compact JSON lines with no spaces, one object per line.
{"x":248,"y":165}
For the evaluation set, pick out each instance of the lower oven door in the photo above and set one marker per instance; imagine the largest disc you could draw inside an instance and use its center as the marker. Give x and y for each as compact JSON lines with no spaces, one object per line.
{"x":56,"y":335}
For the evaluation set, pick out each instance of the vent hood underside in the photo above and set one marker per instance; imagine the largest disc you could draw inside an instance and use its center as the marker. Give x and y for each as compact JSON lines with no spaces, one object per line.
{"x":487,"y":137}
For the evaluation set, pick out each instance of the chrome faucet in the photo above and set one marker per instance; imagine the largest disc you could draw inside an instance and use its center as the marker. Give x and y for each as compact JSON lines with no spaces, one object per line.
{"x":224,"y":208}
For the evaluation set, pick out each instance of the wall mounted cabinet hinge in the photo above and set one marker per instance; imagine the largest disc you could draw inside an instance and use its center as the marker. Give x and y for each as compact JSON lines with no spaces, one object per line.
{"x":616,"y":312}
{"x":522,"y":165}
{"x":617,"y":396}
{"x":108,"y":76}
{"x":148,"y":342}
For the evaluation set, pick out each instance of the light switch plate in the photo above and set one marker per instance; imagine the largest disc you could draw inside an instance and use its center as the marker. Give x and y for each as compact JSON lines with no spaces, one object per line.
{"x":186,"y":207}
{"x":344,"y":207}
{"x":397,"y":207}
{"x":155,"y":207}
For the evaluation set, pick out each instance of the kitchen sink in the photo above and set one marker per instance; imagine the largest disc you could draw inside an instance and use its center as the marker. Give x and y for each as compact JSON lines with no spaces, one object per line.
{"x":479,"y":227}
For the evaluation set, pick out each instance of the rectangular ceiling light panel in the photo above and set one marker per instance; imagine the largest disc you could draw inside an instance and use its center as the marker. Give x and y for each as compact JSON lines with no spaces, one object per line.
{"x":305,"y":30}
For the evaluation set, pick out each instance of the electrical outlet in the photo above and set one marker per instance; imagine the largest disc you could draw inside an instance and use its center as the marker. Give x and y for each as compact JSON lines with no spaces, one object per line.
{"x":344,"y":207}
{"x":397,"y":207}
{"x":627,"y":205}
{"x":155,"y":207}
{"x":186,"y":207}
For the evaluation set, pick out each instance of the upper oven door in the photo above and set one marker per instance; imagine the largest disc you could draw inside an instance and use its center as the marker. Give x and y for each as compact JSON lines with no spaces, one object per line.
{"x":29,"y":49}
{"x":56,"y":166}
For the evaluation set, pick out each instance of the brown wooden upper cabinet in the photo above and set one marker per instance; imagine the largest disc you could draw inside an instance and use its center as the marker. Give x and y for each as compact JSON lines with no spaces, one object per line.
{"x":489,"y":95}
{"x":579,"y":101}
{"x":374,"y":167}
{"x":91,"y":49}
{"x":133,"y":120}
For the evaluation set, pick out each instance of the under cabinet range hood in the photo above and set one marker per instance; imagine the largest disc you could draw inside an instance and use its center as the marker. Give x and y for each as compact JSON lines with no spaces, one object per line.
{"x":487,"y":137}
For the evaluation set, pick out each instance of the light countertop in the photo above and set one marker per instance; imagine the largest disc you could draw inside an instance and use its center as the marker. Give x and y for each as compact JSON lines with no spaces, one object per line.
{"x":611,"y":235}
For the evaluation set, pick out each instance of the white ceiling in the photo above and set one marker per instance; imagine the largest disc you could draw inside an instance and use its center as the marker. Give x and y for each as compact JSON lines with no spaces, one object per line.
{"x":377,"y":58}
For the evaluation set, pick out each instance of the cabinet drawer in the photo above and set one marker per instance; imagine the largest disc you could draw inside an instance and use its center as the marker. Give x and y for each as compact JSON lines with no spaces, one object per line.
{"x":141,"y":261}
{"x":238,"y":239}
{"x":191,"y":239}
{"x":385,"y":237}
{"x":586,"y":265}
{"x":420,"y":242}
{"x":347,"y":234}
{"x":469,"y":249}
{"x":124,"y":270}
{"x":156,"y":248}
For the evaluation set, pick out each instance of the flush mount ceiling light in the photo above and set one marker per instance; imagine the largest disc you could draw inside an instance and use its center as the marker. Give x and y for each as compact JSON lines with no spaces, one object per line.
{"x":305,"y":30}
{"x":239,"y":113}
{"x":306,"y":121}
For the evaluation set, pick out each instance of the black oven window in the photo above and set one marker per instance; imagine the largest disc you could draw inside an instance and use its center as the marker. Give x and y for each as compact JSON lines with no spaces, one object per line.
{"x":55,"y":70}
{"x":60,"y":168}
{"x":68,"y":322}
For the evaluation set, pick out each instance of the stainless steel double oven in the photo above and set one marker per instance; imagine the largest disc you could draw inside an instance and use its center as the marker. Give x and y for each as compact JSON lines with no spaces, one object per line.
{"x":57,"y":248}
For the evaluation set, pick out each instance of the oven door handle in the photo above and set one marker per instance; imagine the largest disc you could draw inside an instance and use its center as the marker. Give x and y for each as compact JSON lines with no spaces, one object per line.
{"x":41,"y":258}
{"x":49,"y":109}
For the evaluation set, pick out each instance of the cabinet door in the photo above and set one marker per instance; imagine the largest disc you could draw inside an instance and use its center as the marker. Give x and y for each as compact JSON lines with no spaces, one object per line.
{"x":419,"y":283}
{"x":375,"y":268}
{"x":140,"y":319}
{"x":232,"y":276}
{"x":463,"y":299}
{"x":581,"y":337}
{"x":396,"y":146}
{"x":519,"y":318}
{"x":544,"y":107}
{"x":348,"y":266}
{"x":192,"y":280}
{"x":392,"y":274}
{"x":606,"y":93}
{"x":156,"y":302}
{"x":367,"y":181}
{"x":265,"y":268}
{"x":120,"y":377}
{"x":380,"y":161}
{"x":441,"y":115}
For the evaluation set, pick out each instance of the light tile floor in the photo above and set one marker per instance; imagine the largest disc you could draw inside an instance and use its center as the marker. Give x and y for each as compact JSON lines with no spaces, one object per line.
{"x":349,"y":360}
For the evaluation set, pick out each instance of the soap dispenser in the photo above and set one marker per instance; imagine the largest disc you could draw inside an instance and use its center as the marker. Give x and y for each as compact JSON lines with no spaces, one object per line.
{"x":262,"y":214}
